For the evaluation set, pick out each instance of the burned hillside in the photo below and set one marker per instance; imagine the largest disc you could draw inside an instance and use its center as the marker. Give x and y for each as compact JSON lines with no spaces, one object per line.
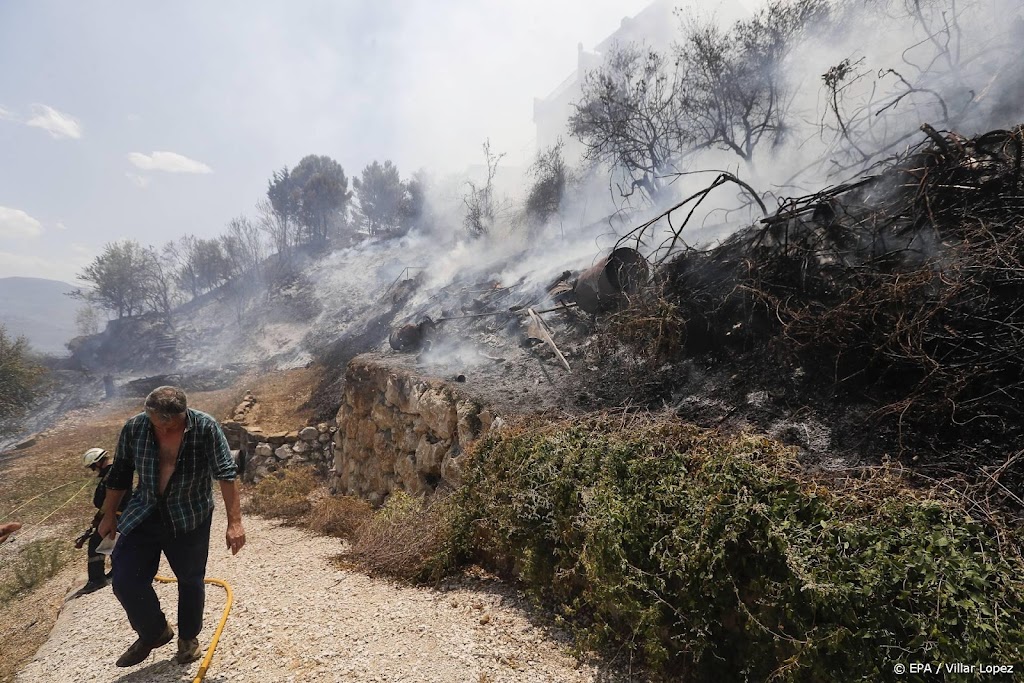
{"x":879,"y":317}
{"x":896,"y":299}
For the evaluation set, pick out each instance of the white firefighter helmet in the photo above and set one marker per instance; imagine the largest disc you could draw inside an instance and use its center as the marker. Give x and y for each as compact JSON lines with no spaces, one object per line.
{"x":93,"y":456}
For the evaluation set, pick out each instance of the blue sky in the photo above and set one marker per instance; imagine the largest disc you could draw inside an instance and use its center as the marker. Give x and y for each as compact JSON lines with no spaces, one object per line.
{"x":151,"y":119}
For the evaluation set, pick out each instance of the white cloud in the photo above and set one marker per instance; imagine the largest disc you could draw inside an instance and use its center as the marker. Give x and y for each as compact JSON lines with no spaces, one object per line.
{"x":55,"y":264}
{"x":139,"y":181}
{"x":4,"y":114}
{"x":169,"y":162}
{"x":60,"y":225}
{"x":57,"y":124}
{"x":17,"y":223}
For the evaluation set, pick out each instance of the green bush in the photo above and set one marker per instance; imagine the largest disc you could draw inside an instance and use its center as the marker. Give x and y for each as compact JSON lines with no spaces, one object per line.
{"x":21,"y":378}
{"x":717,"y":558}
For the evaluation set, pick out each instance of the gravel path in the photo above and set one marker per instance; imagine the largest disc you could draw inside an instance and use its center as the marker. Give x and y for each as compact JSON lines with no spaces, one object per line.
{"x":298,"y":617}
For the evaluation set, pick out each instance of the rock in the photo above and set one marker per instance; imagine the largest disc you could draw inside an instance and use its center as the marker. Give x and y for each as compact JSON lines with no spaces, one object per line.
{"x":283,"y":452}
{"x":323,"y":438}
{"x":409,"y":441}
{"x":309,"y":434}
{"x":301,"y":447}
{"x":277,"y":438}
{"x":383,"y":416}
{"x":469,"y":424}
{"x":264,"y":449}
{"x":452,"y":465}
{"x":323,"y":428}
{"x":405,"y":468}
{"x":438,"y":413}
{"x":429,"y":455}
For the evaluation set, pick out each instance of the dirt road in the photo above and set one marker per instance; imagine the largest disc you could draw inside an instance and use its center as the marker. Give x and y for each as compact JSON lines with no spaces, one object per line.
{"x":299,"y":617}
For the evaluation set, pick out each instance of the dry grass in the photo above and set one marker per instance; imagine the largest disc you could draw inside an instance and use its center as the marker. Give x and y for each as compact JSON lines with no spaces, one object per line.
{"x":37,"y":562}
{"x":408,"y":538}
{"x":279,"y":395}
{"x":284,"y":494}
{"x":340,"y":516}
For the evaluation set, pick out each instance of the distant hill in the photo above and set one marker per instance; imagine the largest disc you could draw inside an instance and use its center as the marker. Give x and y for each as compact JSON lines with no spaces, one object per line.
{"x":39,"y":310}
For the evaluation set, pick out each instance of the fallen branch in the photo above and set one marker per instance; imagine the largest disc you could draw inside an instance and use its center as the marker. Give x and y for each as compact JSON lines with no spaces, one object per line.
{"x":546,"y":337}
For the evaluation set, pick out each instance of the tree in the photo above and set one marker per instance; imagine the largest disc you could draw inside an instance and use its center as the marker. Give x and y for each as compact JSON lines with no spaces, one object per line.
{"x":199,"y":265}
{"x":283,"y":195}
{"x":414,"y":202}
{"x":87,"y":320}
{"x":382,"y":197}
{"x":242,"y":247}
{"x":211,"y":266}
{"x":280,"y":231}
{"x":118,"y":278}
{"x":550,"y":178}
{"x":244,"y":253}
{"x":321,"y":188}
{"x":729,"y":84}
{"x":162,"y":295}
{"x":20,"y":377}
{"x":628,"y":117}
{"x":481,"y":204}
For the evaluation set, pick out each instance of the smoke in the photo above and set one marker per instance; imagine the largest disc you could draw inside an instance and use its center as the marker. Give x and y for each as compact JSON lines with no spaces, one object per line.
{"x":894,"y":65}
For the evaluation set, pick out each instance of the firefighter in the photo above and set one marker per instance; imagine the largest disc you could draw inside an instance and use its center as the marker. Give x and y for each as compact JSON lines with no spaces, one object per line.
{"x":99,"y":461}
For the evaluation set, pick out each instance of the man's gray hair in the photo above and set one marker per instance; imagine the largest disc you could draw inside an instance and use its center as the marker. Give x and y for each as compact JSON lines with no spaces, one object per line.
{"x":166,"y":402}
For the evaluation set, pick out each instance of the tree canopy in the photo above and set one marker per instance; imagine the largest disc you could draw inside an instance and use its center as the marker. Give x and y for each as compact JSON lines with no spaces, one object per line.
{"x":321,"y":188}
{"x":118,"y":277}
{"x":20,"y":377}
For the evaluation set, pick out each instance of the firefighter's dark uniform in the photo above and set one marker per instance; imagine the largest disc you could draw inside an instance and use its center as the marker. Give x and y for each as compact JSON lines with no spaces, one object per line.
{"x":97,"y":560}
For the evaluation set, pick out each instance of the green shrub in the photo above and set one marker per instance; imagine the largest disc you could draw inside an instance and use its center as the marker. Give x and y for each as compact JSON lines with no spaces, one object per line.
{"x":718,"y":558}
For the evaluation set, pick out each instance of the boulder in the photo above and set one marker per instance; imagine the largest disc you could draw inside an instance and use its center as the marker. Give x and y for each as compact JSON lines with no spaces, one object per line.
{"x":437,"y":411}
{"x":309,"y":434}
{"x":430,"y":454}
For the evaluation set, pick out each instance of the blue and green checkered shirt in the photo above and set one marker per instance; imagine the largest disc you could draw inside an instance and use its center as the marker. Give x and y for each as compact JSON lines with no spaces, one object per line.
{"x":188,"y":500}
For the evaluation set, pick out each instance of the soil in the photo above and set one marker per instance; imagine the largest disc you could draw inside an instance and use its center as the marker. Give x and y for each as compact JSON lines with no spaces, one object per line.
{"x":298,"y":616}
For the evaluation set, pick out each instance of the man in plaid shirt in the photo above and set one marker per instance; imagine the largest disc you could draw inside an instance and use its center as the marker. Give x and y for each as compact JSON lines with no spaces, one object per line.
{"x":176,"y":452}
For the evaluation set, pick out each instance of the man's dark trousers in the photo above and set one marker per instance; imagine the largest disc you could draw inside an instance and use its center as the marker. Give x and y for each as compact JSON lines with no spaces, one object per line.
{"x":97,"y":560}
{"x":136,"y":559}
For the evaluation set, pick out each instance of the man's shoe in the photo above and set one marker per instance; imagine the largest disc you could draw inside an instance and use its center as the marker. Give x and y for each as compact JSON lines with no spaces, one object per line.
{"x":140,"y":649}
{"x":188,"y":651}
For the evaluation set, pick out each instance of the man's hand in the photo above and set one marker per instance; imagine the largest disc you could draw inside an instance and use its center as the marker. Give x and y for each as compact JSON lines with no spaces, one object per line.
{"x":107,"y":526}
{"x":235,"y":537}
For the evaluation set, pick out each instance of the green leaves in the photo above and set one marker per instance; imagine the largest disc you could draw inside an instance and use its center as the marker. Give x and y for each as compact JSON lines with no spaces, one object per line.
{"x":716,"y":555}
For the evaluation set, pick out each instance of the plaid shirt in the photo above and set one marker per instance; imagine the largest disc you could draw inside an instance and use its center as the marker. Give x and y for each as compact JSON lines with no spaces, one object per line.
{"x":188,"y":500}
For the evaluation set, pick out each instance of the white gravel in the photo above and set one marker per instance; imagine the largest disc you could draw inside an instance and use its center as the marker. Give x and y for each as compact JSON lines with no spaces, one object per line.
{"x":298,"y":617}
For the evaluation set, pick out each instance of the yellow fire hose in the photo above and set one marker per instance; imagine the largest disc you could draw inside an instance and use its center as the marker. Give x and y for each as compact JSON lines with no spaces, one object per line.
{"x":205,"y":664}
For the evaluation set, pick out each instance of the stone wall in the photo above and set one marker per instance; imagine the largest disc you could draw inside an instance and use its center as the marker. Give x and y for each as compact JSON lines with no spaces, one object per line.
{"x":263,"y":453}
{"x":400,"y":431}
